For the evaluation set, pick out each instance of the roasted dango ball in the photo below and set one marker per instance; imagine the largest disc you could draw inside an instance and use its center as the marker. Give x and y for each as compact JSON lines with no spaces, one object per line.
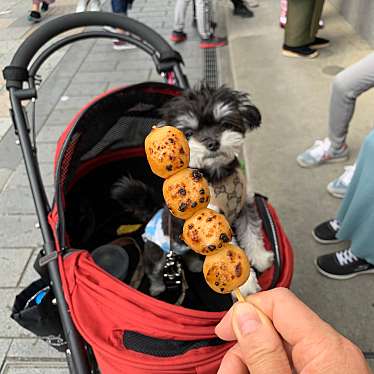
{"x":167,"y":151}
{"x":186,"y":192}
{"x":206,"y":232}
{"x":226,"y":270}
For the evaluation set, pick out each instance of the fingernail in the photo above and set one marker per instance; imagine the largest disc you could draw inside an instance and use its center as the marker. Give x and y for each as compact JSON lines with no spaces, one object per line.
{"x":247,"y":318}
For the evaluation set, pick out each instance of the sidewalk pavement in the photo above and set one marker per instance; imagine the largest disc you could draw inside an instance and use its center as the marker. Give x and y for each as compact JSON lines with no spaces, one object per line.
{"x":70,"y":79}
{"x":276,"y":84}
{"x":293,"y":96}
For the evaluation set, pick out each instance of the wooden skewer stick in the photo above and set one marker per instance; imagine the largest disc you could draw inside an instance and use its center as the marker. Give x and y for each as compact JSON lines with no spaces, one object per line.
{"x":239,"y":295}
{"x":261,"y":314}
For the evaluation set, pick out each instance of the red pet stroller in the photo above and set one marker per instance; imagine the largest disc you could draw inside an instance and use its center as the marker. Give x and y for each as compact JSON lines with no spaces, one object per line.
{"x":102,"y":316}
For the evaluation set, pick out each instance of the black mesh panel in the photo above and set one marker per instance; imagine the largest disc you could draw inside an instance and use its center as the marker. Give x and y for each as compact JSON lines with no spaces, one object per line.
{"x":121,"y":119}
{"x":164,"y":348}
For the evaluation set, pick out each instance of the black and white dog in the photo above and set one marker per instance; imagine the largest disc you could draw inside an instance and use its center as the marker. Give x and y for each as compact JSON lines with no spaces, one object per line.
{"x":215,"y":122}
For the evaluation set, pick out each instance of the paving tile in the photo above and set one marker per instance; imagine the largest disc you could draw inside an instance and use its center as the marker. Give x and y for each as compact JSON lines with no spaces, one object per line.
{"x":95,"y":66}
{"x":85,"y":89}
{"x":77,"y":102}
{"x":10,"y":153}
{"x":34,"y":368}
{"x":12,"y":33}
{"x":4,"y":106}
{"x":46,"y":152}
{"x":4,"y":348}
{"x":18,"y":200}
{"x":5,"y":124}
{"x":33,"y":348}
{"x":4,"y":177}
{"x":19,"y":231}
{"x":50,"y":93}
{"x":19,"y":177}
{"x":50,"y":134}
{"x":128,"y":76}
{"x":29,"y":275}
{"x":5,"y":22}
{"x":8,"y":327}
{"x":96,"y":54}
{"x":61,"y":117}
{"x":13,"y":263}
{"x":145,"y":63}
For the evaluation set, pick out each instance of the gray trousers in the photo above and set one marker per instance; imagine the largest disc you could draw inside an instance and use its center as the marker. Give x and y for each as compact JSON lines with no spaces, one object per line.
{"x":203,"y":16}
{"x":346,"y":87}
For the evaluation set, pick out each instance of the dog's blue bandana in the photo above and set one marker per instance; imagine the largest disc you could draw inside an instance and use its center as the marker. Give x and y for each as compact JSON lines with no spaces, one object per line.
{"x":153,"y":232}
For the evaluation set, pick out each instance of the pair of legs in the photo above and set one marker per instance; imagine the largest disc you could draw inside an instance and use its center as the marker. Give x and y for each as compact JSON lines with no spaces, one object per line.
{"x":301,"y":29}
{"x":283,"y":15}
{"x":204,"y":21}
{"x":205,"y":24}
{"x":354,"y":222}
{"x":37,"y":6}
{"x":347,"y":86}
{"x":120,"y":7}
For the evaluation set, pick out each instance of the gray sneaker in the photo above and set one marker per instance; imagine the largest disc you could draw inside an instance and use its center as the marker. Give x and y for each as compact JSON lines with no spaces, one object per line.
{"x":321,"y":152}
{"x":339,"y":186}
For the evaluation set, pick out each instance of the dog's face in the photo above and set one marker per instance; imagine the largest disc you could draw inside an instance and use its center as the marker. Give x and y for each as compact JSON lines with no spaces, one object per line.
{"x":214,"y":121}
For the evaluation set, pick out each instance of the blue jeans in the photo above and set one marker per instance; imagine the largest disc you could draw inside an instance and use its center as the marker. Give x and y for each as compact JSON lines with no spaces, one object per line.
{"x":120,"y":6}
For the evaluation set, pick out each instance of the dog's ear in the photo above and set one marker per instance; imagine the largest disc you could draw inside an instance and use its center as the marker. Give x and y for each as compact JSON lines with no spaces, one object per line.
{"x":250,"y":114}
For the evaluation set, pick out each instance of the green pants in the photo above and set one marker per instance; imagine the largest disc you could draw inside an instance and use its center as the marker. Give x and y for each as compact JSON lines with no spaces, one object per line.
{"x":302,"y":21}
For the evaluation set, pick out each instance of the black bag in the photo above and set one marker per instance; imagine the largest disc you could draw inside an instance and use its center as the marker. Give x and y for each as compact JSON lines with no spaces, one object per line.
{"x":34,"y":309}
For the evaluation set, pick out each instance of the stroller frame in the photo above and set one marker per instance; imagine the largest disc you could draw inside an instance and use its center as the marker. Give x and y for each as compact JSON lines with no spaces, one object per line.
{"x":23,"y":69}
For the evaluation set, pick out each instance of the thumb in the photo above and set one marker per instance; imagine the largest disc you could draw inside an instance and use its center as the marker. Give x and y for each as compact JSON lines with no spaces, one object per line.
{"x":260,"y":345}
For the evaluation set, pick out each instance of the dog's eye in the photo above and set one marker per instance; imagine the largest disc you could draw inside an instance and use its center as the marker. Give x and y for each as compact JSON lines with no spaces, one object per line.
{"x":188,"y":133}
{"x":226,"y":126}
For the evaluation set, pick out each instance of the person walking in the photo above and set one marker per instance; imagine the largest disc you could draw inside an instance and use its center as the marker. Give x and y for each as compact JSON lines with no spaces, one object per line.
{"x":300,"y":39}
{"x":205,"y":26}
{"x":354,"y":222}
{"x":38,"y":7}
{"x":347,"y":86}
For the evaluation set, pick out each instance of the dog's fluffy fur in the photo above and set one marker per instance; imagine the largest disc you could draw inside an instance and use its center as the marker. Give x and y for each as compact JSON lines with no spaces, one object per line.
{"x":215,"y":122}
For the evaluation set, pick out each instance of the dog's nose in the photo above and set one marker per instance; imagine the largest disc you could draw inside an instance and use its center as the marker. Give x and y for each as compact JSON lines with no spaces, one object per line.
{"x":212,"y":145}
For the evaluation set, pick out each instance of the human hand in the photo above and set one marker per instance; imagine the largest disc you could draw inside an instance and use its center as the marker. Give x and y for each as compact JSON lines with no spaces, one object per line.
{"x":278,"y":334}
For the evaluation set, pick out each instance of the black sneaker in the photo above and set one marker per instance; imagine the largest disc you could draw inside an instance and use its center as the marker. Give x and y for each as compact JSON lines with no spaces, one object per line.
{"x":242,"y":11}
{"x":178,"y":36}
{"x":45,"y":6}
{"x":303,"y":51}
{"x":342,"y":265}
{"x":319,"y":43}
{"x":325,"y":232}
{"x":34,"y":16}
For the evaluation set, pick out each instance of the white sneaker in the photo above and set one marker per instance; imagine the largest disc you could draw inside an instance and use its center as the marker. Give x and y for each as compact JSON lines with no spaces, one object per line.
{"x":339,"y":186}
{"x":321,"y":152}
{"x":94,"y":6}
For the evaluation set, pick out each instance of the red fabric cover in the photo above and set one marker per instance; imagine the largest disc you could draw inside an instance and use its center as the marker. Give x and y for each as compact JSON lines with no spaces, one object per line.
{"x":103,"y":307}
{"x":286,"y":255}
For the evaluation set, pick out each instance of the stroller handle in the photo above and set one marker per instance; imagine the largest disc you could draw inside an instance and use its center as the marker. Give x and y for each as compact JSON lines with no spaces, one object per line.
{"x":53,"y":28}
